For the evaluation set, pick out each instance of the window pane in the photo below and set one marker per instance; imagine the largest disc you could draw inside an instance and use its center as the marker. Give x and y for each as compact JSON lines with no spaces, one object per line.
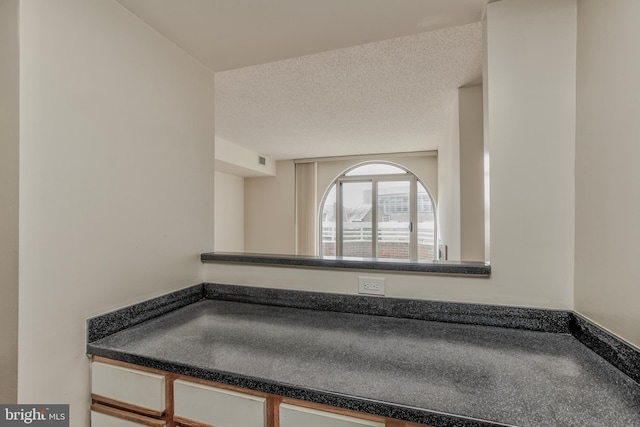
{"x":426,"y":224}
{"x":394,"y":210}
{"x":329,"y":224}
{"x":394,"y":218}
{"x":356,"y":219}
{"x":375,"y":169}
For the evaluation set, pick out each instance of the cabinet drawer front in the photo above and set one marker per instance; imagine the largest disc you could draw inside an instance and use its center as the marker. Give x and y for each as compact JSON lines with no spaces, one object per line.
{"x":221,"y":408}
{"x":297,"y":416}
{"x":129,"y":386}
{"x":102,"y":420}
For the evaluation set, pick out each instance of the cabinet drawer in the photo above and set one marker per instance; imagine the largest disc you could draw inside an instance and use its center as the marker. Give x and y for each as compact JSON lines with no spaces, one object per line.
{"x":297,"y":416}
{"x":216,"y":406}
{"x":131,"y":387}
{"x":116,"y":418}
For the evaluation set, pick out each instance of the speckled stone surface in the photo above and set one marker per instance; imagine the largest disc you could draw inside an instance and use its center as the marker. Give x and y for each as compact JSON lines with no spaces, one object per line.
{"x":442,"y":374}
{"x":475,"y":314}
{"x":419,"y":266}
{"x":609,"y":347}
{"x":109,"y":323}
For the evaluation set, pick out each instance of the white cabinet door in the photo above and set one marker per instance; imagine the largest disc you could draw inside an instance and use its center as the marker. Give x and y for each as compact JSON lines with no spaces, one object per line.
{"x":99,"y":419}
{"x":219,"y":407}
{"x":298,"y":416}
{"x":129,"y":386}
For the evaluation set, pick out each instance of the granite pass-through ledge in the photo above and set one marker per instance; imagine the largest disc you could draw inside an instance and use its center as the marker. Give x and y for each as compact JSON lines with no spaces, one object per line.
{"x":465,"y":268}
{"x":436,"y":363}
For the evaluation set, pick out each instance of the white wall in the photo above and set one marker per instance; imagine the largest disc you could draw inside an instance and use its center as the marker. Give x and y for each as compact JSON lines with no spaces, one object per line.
{"x":460,"y":178}
{"x":270,"y":212}
{"x":607,"y":278}
{"x":470,"y":112}
{"x":229,"y":213}
{"x":486,"y":142}
{"x":9,"y":140}
{"x":305,"y":202}
{"x":116,"y":174}
{"x":236,"y":160}
{"x":270,"y":201}
{"x":531,"y":107}
{"x":449,"y":184}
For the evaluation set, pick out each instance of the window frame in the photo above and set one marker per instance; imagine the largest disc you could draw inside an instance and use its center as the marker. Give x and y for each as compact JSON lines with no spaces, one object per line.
{"x":374,"y":179}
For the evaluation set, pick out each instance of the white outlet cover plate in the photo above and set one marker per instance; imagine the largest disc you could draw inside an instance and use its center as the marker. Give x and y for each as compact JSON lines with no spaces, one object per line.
{"x":371,"y":285}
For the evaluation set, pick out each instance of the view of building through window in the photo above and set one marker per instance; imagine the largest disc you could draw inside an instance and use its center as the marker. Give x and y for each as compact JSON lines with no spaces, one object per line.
{"x":389,"y":197}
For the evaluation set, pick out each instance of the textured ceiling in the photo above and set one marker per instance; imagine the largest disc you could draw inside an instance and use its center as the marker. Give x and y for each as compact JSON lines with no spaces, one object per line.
{"x":227,"y":34}
{"x":339,"y":76}
{"x":387,"y":96}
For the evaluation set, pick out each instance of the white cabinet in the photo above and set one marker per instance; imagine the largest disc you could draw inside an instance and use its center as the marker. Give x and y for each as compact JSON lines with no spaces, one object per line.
{"x":133,"y":387}
{"x":217,"y":406}
{"x":298,"y":416}
{"x":103,"y":416}
{"x":124,"y":395}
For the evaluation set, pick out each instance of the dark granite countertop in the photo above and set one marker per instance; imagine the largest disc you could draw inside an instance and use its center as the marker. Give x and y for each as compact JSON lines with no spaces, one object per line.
{"x":479,"y":269}
{"x":443,"y":374}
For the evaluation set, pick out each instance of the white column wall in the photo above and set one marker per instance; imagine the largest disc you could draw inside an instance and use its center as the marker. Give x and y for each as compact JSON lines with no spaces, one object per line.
{"x":116,"y":176}
{"x":608,"y":175}
{"x":270,"y":212}
{"x":229,"y":213}
{"x":471,"y":173}
{"x":449,"y":184}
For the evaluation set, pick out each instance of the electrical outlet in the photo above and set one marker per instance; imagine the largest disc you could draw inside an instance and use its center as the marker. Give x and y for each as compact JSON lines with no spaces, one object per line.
{"x":371,"y":285}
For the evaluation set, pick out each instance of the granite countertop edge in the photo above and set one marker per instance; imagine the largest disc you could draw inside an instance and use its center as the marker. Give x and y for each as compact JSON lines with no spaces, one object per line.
{"x":477,"y":269}
{"x":623,"y":356}
{"x":324,"y":397}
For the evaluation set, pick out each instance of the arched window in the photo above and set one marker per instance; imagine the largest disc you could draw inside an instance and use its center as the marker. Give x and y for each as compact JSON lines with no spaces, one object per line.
{"x":378,"y":210}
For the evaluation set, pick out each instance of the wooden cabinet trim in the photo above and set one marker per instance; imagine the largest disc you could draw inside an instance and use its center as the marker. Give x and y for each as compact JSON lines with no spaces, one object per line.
{"x":398,"y":423}
{"x":106,"y":401}
{"x":126,"y":415}
{"x":169,"y":390}
{"x":186,"y":422}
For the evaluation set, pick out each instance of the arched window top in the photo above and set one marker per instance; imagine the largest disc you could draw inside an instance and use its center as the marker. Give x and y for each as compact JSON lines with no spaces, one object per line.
{"x":376,"y":169}
{"x":378,"y":210}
